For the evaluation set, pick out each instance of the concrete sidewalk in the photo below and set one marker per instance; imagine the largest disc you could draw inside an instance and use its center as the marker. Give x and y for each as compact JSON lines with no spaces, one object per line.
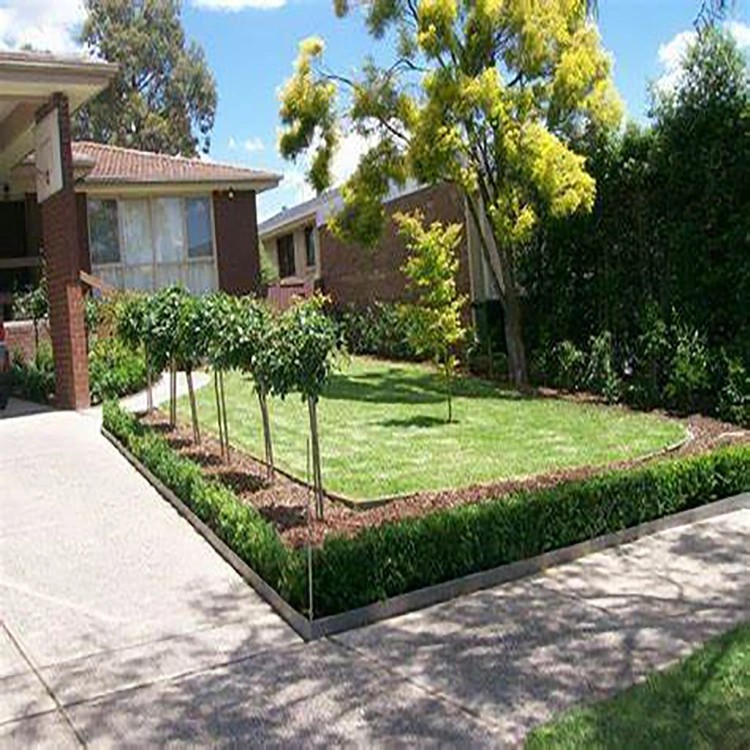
{"x":120,"y":626}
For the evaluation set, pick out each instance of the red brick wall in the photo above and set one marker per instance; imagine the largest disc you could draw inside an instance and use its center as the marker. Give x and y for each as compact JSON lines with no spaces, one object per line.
{"x":83,"y":232}
{"x":20,"y":338}
{"x":61,"y":246}
{"x":237,"y":253}
{"x":357,"y":275}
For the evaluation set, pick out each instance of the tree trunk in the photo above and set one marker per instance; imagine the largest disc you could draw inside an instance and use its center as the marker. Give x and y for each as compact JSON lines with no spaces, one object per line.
{"x":218,"y":413}
{"x":448,"y":387}
{"x":315,"y":445}
{"x":149,"y":383}
{"x":172,"y":394}
{"x":193,"y":408}
{"x":266,"y":434}
{"x":224,"y":415}
{"x":517,"y":370}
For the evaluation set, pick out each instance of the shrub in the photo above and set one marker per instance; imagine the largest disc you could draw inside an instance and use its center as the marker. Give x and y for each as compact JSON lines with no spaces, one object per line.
{"x":115,"y":369}
{"x":688,"y":378}
{"x":569,"y":363}
{"x":240,"y":526}
{"x":378,"y":329}
{"x":396,"y":558}
{"x":34,"y":381}
{"x":601,"y":376}
{"x":734,"y":397}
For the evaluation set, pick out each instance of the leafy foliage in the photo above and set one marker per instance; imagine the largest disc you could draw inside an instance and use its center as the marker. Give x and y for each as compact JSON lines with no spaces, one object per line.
{"x":435,"y":317}
{"x":396,"y":558}
{"x":163,"y":97}
{"x":378,"y":329}
{"x":115,"y":369}
{"x":490,"y":96}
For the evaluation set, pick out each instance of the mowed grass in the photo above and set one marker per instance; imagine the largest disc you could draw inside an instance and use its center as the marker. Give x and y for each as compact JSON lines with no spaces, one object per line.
{"x":383,"y":430}
{"x":703,"y":702}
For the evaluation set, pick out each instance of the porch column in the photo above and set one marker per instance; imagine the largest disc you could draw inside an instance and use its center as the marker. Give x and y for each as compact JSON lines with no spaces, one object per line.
{"x":61,"y":239}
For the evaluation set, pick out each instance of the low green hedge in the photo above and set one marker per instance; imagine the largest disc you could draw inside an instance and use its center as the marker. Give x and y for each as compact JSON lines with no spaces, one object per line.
{"x":241,"y":527}
{"x":396,"y":558}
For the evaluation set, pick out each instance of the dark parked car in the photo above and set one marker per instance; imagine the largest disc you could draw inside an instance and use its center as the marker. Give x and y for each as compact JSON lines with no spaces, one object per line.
{"x":4,"y":369}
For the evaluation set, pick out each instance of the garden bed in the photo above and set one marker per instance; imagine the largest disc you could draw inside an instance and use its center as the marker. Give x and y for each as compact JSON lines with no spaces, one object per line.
{"x":284,"y":503}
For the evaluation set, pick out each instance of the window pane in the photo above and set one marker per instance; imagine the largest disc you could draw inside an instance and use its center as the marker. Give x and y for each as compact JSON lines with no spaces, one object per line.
{"x":103,"y":232}
{"x":169,"y":233}
{"x":310,"y":246}
{"x":199,"y":227}
{"x":285,"y":248}
{"x":138,"y":249}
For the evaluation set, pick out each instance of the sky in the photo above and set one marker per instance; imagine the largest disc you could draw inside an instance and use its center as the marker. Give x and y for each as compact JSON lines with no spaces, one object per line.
{"x":251,"y":45}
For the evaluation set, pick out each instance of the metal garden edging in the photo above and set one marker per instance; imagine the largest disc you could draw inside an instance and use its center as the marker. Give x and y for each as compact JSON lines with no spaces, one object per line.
{"x":402,"y":604}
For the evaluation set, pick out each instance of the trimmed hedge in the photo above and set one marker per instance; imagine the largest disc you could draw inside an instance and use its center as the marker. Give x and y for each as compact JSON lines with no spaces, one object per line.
{"x":115,"y":369}
{"x":396,"y":558}
{"x":241,"y":527}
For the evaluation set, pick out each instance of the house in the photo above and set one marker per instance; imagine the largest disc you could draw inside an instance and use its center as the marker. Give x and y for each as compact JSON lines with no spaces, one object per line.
{"x":136,"y":220}
{"x":304,"y":253}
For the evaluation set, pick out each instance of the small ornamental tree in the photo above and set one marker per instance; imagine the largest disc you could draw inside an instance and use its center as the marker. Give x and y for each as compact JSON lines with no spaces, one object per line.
{"x":225,"y":331}
{"x":133,"y":325}
{"x":34,"y":306}
{"x":165,"y":309}
{"x":434,"y":320}
{"x":309,"y":339}
{"x":256,"y":352}
{"x":194,"y":328}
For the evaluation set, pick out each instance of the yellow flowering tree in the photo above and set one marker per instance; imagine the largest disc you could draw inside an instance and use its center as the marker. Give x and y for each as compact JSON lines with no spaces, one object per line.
{"x":488,"y":95}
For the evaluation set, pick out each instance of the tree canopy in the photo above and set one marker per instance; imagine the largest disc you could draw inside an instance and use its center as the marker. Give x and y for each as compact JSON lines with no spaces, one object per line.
{"x":490,"y":96}
{"x":163,"y":97}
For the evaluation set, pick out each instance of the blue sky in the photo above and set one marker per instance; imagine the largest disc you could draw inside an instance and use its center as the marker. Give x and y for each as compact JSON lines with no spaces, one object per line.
{"x":251,"y":52}
{"x":251,"y":44}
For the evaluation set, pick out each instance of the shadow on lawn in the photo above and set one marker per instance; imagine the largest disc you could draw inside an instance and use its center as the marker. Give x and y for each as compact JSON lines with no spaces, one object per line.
{"x":397,"y":386}
{"x":420,"y":421}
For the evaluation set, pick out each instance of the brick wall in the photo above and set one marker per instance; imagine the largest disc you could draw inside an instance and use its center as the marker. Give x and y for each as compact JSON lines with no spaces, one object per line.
{"x":237,"y":249}
{"x":353,"y":274}
{"x":60,"y":237}
{"x":20,"y":338}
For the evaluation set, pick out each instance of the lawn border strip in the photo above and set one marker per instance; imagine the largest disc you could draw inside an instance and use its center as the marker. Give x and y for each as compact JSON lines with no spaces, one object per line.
{"x":441,"y":592}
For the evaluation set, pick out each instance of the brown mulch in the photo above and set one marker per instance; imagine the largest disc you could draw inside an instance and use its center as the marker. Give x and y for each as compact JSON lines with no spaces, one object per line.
{"x":285,"y":502}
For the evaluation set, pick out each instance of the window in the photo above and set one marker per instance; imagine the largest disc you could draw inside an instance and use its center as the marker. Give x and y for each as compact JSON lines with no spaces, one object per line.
{"x":104,"y":234}
{"x":198,"y":211}
{"x":285,"y":249}
{"x":310,"y":246}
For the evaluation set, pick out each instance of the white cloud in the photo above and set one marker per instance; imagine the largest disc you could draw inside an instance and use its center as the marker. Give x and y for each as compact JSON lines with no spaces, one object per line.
{"x":235,"y":5}
{"x":49,"y":25}
{"x":741,"y":33}
{"x":231,"y":144}
{"x":347,"y":156}
{"x":672,"y":53}
{"x":253,"y":144}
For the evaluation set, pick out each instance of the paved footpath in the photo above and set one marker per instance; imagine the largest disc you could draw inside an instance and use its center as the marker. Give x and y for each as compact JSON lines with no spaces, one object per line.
{"x":119,"y":625}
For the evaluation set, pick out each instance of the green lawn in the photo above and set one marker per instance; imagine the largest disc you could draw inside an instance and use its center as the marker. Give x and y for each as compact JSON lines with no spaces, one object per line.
{"x":383,"y":430}
{"x":704,"y":702}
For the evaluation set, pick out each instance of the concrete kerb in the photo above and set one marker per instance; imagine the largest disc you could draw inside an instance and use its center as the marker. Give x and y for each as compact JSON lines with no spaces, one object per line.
{"x":312,"y":630}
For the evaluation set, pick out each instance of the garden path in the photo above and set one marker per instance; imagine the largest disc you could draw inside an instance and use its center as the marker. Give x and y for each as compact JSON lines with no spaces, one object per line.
{"x":120,"y":625}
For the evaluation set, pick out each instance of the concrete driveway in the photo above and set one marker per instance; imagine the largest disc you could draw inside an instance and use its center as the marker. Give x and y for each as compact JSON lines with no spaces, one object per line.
{"x":119,"y":625}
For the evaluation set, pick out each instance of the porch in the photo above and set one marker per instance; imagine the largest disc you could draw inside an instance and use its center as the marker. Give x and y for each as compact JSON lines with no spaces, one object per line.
{"x":39,"y":213}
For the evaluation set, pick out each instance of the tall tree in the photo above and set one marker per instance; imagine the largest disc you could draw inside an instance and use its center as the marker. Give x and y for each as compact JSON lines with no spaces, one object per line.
{"x":164,"y":96}
{"x":490,"y":96}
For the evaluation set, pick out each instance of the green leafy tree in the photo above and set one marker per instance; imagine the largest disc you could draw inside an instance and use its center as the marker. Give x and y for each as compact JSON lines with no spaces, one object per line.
{"x":33,"y":305}
{"x":134,"y":325}
{"x":434,"y":319}
{"x":308,"y":341}
{"x":489,"y":96}
{"x":163,"y":97}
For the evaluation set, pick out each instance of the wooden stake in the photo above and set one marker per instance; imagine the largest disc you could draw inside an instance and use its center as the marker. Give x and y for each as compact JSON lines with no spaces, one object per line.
{"x":317,"y":477}
{"x":193,"y":408}
{"x":224,"y":416}
{"x":218,"y":413}
{"x":267,"y":435}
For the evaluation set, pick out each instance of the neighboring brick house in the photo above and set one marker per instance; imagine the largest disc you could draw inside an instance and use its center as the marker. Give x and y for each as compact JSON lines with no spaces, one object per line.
{"x":303,"y":252}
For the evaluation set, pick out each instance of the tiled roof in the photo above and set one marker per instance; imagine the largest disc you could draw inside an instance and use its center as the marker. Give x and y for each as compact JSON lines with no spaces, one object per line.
{"x":116,"y":165}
